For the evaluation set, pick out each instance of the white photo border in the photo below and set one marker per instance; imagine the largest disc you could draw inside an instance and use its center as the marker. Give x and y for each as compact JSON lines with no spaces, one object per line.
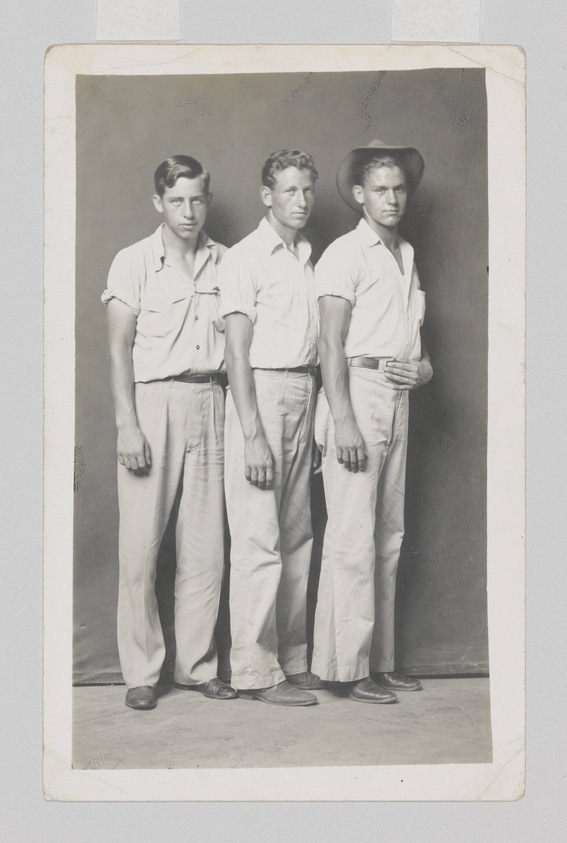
{"x":503,"y":779}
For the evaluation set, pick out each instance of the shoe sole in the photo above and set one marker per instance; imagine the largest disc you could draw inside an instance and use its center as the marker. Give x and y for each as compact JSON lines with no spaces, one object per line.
{"x":373,"y":702}
{"x":402,"y":690}
{"x":208,"y":696}
{"x":252,"y":697}
{"x":141,"y":707}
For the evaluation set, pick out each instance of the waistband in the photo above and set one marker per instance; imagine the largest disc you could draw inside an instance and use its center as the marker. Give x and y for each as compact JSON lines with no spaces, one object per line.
{"x":378,"y":363}
{"x":215,"y":377}
{"x":302,"y":370}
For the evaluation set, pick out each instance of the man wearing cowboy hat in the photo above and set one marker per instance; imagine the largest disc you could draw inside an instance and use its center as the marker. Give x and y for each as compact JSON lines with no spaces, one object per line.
{"x":371,"y":310}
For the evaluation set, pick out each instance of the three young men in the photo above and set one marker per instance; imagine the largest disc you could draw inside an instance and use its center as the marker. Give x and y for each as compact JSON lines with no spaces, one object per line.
{"x":167,"y":351}
{"x":166,"y":374}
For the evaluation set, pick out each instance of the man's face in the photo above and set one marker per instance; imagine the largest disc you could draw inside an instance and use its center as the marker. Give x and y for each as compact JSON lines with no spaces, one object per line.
{"x":291,"y":199}
{"x":184,"y":207}
{"x":383,"y":195}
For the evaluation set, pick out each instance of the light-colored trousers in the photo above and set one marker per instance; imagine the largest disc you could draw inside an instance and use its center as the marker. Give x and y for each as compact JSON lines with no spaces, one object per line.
{"x":271,"y":534}
{"x":183,"y":424}
{"x":354,"y":618}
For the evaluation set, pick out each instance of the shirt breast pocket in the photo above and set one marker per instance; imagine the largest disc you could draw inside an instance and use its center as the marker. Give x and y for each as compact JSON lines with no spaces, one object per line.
{"x":419,"y":307}
{"x":164,"y":314}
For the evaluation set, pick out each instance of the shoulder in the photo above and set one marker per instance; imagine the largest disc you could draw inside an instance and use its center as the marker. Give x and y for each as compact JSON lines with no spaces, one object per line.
{"x":247,"y":243}
{"x":242,"y":251}
{"x":134,"y":255}
{"x":341,"y":248}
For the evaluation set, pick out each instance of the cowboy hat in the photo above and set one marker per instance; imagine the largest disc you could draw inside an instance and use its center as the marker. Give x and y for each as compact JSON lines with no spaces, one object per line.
{"x":409,"y":158}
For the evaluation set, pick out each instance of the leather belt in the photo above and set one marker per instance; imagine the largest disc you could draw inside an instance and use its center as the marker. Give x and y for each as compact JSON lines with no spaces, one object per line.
{"x":216,"y":377}
{"x":302,"y":370}
{"x":369,"y":362}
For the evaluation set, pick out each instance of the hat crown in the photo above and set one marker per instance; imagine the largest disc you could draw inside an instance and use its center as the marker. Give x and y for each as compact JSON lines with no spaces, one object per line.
{"x":378,"y":144}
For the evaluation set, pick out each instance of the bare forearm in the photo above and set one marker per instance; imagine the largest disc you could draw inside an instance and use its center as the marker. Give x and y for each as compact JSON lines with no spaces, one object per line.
{"x":258,"y":460}
{"x":243,"y":390}
{"x":334,"y":370}
{"x":132,"y":447}
{"x":122,"y":384}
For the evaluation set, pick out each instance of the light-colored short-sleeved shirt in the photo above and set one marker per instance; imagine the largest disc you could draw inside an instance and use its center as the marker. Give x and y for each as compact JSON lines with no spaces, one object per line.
{"x":178,"y":328}
{"x":388,"y":307}
{"x":263,"y":279}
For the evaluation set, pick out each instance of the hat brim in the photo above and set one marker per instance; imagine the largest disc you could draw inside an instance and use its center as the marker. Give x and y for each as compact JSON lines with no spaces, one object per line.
{"x":410,"y":159}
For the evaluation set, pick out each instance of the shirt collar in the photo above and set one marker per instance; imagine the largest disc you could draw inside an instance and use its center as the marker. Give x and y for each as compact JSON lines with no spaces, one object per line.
{"x":158,"y":249}
{"x":206,"y":247}
{"x":371,"y":237}
{"x":271,"y":240}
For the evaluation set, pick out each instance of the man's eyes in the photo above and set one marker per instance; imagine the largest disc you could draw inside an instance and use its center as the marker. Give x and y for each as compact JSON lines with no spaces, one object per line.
{"x":199,"y":200}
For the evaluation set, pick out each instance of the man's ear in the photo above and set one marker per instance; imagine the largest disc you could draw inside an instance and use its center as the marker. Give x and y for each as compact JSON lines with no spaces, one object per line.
{"x":157,"y":203}
{"x":358,"y":193}
{"x":266,"y":195}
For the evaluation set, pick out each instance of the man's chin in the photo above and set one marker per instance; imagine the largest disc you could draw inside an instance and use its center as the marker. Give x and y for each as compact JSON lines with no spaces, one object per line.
{"x":188,"y":233}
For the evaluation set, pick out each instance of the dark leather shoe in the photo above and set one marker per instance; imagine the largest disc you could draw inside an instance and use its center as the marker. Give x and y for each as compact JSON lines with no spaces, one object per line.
{"x":215,"y":689}
{"x":282,"y":694}
{"x":367,"y":691}
{"x":143,"y":698}
{"x":398,"y":682}
{"x":306,"y":681}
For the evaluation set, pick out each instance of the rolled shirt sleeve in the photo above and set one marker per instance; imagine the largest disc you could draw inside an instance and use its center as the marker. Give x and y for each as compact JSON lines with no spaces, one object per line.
{"x":124,"y":281}
{"x":336,"y":274}
{"x":237,"y":286}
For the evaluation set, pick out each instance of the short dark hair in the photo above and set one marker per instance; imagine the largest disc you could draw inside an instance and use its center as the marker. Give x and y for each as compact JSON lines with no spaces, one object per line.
{"x":366,"y":164}
{"x":178,"y":167}
{"x":283,"y":159}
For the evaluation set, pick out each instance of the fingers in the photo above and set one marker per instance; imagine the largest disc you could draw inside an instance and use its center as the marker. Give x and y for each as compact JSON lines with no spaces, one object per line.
{"x":316,"y":460}
{"x":403,"y":374}
{"x":261,"y":476}
{"x":353,"y":458}
{"x":137,"y":463}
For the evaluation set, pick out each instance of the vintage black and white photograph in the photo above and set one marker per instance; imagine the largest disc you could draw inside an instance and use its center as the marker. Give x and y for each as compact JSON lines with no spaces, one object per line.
{"x":281,"y":514}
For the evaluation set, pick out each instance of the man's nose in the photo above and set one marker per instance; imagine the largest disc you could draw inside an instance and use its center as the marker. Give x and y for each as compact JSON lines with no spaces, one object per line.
{"x":392,"y":197}
{"x":301,"y":199}
{"x":188,"y":209}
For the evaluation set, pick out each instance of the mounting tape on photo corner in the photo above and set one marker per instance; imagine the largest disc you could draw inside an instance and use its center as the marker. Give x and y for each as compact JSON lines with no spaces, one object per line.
{"x":138,"y":20}
{"x":445,"y":21}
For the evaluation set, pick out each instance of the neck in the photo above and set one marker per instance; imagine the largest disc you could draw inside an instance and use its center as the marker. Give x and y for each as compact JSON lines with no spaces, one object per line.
{"x":175,"y":245}
{"x":388,"y":234}
{"x":288,"y":235}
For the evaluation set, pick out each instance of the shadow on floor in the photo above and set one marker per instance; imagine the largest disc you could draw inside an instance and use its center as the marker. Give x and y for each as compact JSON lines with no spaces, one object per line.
{"x":446,"y":723}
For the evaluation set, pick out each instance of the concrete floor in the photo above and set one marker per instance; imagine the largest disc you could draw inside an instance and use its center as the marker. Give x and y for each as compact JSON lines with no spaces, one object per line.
{"x":448,"y":722}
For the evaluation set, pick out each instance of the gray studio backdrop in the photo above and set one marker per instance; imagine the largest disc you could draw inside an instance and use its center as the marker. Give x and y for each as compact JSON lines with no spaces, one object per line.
{"x":125,"y":127}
